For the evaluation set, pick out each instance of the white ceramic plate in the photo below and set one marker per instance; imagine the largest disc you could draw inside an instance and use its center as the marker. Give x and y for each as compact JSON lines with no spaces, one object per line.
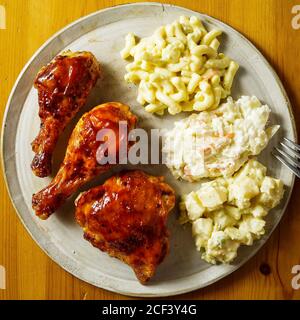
{"x":103,"y":34}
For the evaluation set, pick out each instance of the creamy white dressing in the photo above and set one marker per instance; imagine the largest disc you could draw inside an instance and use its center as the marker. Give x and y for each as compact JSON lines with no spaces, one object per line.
{"x":217,"y":143}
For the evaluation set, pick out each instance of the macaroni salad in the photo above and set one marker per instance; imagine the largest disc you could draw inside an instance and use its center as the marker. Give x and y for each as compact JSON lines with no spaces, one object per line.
{"x":179,"y":68}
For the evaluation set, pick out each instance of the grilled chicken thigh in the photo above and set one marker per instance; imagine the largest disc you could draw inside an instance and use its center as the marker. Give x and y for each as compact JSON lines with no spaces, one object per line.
{"x":80,"y":164}
{"x":126,"y":217}
{"x":63,"y":87}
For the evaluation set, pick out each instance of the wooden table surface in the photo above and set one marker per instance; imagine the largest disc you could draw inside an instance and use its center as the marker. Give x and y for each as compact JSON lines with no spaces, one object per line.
{"x":31,"y":274}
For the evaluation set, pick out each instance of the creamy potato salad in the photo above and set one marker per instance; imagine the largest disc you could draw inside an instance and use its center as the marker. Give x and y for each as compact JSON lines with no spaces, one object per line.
{"x":226,"y":213}
{"x":218,"y":142}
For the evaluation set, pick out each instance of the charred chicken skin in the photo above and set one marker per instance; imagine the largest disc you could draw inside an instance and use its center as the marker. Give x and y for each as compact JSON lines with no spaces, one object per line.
{"x":126,"y":217}
{"x":80,"y":164}
{"x":63,"y":87}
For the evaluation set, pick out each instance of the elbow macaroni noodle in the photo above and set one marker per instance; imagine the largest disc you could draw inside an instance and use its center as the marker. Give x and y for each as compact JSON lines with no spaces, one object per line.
{"x":179,"y":68}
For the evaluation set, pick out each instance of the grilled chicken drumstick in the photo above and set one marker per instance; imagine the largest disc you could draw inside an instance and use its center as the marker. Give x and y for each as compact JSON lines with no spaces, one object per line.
{"x":63,"y":87}
{"x":126,"y":217}
{"x":80,"y":164}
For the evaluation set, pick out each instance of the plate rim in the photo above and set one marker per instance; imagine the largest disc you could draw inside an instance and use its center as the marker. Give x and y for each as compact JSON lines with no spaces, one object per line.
{"x":8,"y":185}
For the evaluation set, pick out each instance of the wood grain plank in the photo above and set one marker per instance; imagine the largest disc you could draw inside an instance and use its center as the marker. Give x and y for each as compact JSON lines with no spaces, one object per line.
{"x":30,"y":273}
